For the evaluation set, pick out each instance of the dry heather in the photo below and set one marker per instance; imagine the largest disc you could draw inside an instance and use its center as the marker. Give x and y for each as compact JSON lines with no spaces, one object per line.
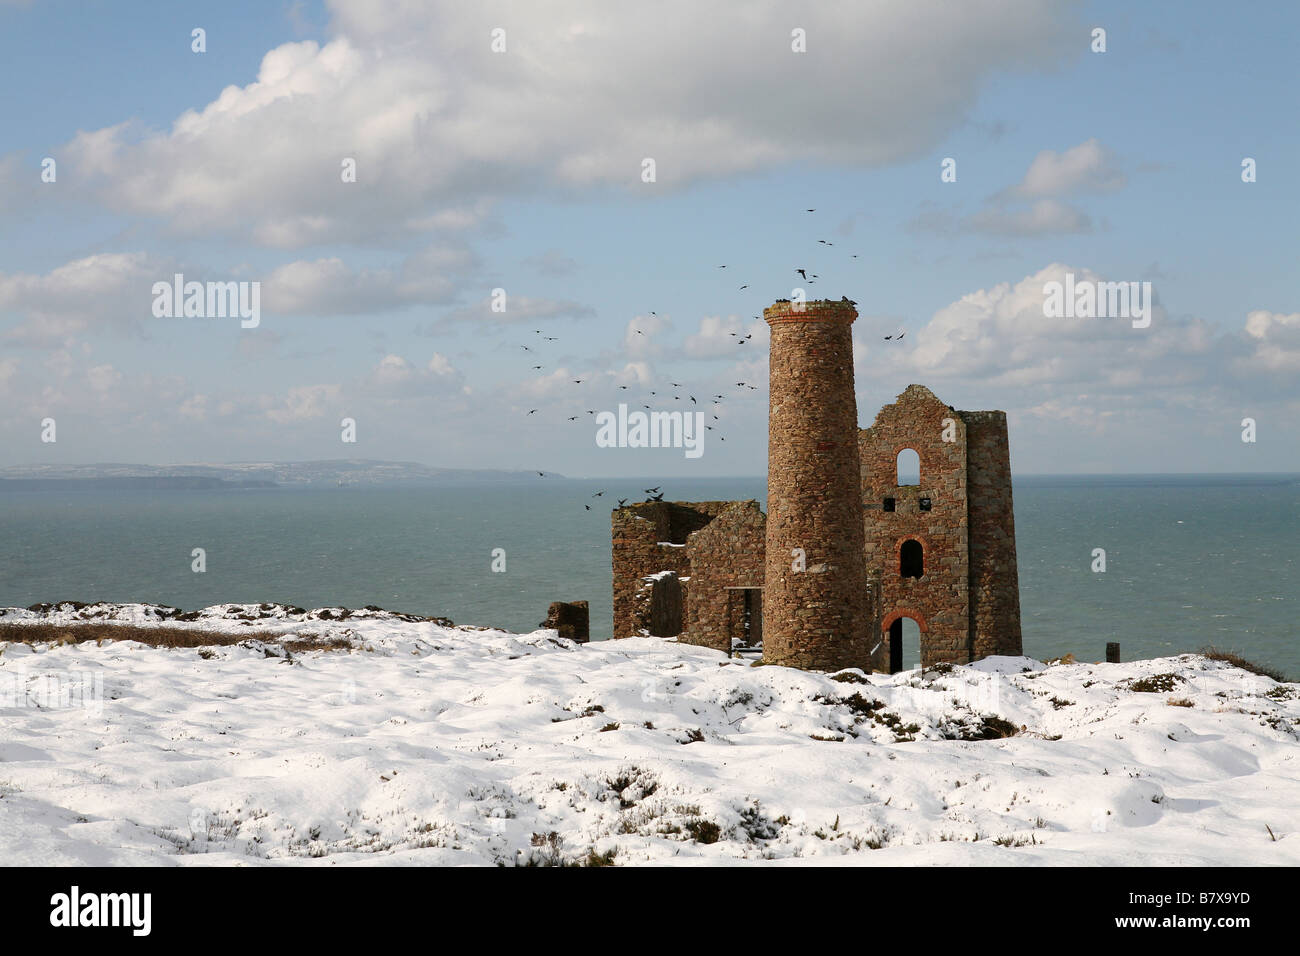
{"x":161,"y":636}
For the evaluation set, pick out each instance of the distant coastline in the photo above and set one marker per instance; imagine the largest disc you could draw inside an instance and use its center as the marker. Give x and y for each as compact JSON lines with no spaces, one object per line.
{"x":131,"y":483}
{"x":345,"y":472}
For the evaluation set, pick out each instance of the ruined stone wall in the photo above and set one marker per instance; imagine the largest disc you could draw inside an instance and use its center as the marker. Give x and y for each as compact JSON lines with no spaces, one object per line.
{"x":727,"y":554}
{"x":816,"y":618}
{"x":939,"y":600}
{"x":994,"y":578}
{"x":648,"y":538}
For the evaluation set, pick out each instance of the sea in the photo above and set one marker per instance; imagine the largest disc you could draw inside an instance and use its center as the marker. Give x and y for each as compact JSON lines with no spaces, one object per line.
{"x":1190,"y":560}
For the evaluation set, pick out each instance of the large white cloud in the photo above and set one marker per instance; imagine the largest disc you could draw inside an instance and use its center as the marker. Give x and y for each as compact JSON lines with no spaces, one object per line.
{"x":106,"y":288}
{"x":437,"y":122}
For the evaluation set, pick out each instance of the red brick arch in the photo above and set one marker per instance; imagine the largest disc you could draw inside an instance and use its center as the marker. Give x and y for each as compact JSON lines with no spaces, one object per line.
{"x":894,"y":615}
{"x":925,"y":552}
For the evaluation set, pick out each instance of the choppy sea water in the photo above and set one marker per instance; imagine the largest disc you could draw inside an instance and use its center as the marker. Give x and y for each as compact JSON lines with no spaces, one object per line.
{"x":1190,"y":560}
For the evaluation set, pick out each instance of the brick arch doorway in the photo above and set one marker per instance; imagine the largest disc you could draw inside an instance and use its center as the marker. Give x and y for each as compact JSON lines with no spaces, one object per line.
{"x":895,"y":629}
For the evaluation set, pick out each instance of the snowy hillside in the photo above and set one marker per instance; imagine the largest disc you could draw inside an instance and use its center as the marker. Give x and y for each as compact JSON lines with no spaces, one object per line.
{"x":429,"y":744}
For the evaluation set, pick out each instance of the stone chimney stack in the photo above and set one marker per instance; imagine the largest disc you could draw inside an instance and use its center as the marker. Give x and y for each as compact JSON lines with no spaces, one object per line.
{"x":818,"y":617}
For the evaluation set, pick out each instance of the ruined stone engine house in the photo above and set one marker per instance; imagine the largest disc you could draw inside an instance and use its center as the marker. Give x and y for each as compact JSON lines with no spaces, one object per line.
{"x":846,"y":551}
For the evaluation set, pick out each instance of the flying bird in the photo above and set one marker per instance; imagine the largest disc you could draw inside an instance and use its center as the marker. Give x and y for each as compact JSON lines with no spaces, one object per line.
{"x":598,"y":494}
{"x":650,"y":491}
{"x":802,"y":273}
{"x":622,"y":502}
{"x":534,"y":410}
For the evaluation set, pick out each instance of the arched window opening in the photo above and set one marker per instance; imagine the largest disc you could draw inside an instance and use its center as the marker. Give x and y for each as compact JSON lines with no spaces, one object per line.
{"x":911,"y":559}
{"x":909,"y":467}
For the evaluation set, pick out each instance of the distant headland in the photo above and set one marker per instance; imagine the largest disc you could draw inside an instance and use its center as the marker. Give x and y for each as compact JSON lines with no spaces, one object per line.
{"x":252,"y":474}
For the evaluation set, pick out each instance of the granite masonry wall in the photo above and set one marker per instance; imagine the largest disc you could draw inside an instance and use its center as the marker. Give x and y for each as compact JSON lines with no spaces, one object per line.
{"x":649,"y":539}
{"x":938,"y":600}
{"x":725,"y":557}
{"x":994,"y":578}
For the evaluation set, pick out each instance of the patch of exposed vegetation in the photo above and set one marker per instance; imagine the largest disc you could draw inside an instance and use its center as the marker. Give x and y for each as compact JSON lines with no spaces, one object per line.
{"x":173,"y":637}
{"x":631,"y":786}
{"x":991,"y":728}
{"x":1155,"y":684}
{"x":1236,"y":660}
{"x":756,"y":825}
{"x":703,"y":831}
{"x":849,"y":677}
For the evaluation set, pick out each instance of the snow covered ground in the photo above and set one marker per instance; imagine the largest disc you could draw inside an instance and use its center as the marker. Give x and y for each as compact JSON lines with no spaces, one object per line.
{"x":428,"y":744}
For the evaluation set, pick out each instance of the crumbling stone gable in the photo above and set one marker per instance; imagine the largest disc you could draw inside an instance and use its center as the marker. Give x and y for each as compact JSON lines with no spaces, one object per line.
{"x":967,"y":602}
{"x":649,"y":538}
{"x":725,"y":556}
{"x":939,"y":599}
{"x":994,"y":575}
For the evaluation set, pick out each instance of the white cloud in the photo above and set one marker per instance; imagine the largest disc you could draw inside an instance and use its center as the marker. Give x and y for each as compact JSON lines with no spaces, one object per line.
{"x":719,"y":337}
{"x":1087,"y":168}
{"x":107,"y":288}
{"x":302,"y":403}
{"x":331,"y":287}
{"x":437,"y":122}
{"x":518,"y":309}
{"x":1274,"y":340}
{"x":1035,"y":206}
{"x":640,"y":334}
{"x":1044,"y":217}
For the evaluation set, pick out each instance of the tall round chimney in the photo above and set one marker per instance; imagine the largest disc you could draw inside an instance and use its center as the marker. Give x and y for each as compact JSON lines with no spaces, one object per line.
{"x":816,"y":603}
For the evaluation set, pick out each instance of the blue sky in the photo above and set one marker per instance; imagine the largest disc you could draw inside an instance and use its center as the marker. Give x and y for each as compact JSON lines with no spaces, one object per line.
{"x":520,"y":170}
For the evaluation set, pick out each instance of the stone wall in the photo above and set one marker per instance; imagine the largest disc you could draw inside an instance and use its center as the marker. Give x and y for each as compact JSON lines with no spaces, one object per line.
{"x":571,"y":619}
{"x":994,"y":578}
{"x":817,"y":618}
{"x":724,"y":556}
{"x":939,"y":600}
{"x":649,"y":538}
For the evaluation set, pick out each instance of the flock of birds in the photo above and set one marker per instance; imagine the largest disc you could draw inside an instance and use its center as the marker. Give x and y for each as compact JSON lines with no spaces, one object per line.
{"x":656,"y":494}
